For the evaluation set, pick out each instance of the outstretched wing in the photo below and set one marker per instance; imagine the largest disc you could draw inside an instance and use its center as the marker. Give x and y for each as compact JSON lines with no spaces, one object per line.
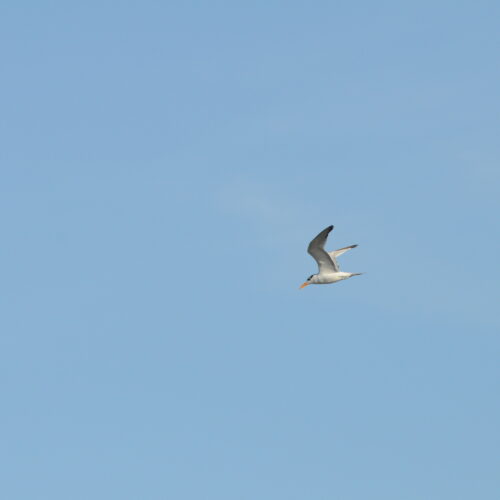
{"x":317,"y":249}
{"x":333,"y":255}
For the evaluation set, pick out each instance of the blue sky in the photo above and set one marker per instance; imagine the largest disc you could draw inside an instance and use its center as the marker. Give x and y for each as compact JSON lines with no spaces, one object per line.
{"x":164,"y":166}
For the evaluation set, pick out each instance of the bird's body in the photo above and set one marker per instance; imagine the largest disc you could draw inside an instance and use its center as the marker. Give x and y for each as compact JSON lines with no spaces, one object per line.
{"x":329,"y":270}
{"x":326,"y":278}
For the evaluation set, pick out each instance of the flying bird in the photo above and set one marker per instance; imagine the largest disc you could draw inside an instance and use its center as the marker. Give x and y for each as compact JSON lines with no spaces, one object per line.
{"x":328,"y":267}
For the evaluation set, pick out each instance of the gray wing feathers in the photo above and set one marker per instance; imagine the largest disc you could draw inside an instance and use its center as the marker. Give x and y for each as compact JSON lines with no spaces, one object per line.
{"x":317,"y":249}
{"x":340,"y":251}
{"x":333,"y":255}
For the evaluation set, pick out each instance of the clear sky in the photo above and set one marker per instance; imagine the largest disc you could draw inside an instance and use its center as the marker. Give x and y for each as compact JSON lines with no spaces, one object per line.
{"x":164,"y":166}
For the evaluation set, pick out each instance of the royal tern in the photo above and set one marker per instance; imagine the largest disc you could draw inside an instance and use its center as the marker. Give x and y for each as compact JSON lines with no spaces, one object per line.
{"x":328,"y":268}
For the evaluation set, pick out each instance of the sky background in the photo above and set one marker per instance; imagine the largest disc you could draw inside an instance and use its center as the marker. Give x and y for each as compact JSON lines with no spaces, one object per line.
{"x":164,"y":166}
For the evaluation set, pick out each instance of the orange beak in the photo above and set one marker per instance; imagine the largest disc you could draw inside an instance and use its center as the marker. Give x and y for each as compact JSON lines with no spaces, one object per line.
{"x":304,"y":285}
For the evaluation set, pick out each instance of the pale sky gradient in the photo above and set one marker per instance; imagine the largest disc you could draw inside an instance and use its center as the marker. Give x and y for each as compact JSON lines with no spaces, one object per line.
{"x":164,"y":166}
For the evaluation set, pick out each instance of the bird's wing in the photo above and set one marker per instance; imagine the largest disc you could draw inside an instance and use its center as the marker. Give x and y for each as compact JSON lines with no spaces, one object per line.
{"x":334,"y":260}
{"x":340,"y":251}
{"x":333,"y":255}
{"x":317,"y":249}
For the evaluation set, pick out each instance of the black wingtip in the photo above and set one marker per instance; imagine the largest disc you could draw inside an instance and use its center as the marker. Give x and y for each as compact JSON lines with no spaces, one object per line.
{"x":353,"y":246}
{"x":330,"y":228}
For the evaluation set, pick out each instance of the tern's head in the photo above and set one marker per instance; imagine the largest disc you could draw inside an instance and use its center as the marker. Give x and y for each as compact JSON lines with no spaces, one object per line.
{"x":308,"y":281}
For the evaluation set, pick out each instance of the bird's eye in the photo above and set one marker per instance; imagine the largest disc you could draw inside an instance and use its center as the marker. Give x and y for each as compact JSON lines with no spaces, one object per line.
{"x":310,"y":277}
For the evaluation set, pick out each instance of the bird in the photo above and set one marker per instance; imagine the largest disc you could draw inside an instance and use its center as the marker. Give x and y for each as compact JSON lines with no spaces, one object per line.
{"x":328,"y":268}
